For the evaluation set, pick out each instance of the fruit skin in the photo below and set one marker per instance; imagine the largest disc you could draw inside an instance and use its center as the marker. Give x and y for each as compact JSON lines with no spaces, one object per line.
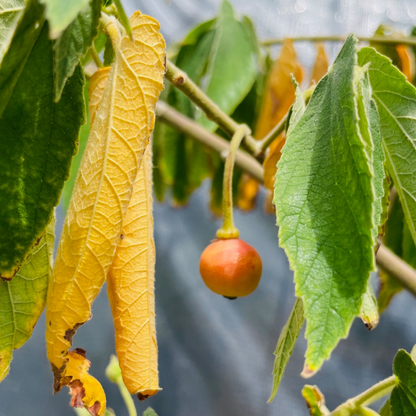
{"x":231,"y":267}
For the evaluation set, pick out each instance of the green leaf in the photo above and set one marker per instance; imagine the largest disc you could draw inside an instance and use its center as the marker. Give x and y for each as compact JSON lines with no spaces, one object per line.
{"x":37,"y":141}
{"x":61,"y":14}
{"x":11,"y":12}
{"x":369,"y":308}
{"x":315,"y":400}
{"x":193,"y":36}
{"x":149,"y":412}
{"x":297,"y":109}
{"x":232,"y":64}
{"x":186,"y":162}
{"x":398,"y":239}
{"x":76,"y":161}
{"x":387,"y":49}
{"x":19,"y":30}
{"x":385,"y":409}
{"x":403,"y":396}
{"x":108,"y":53}
{"x":396,"y":102}
{"x":286,"y":344}
{"x":326,"y":222}
{"x":369,"y":123}
{"x":23,"y":299}
{"x":379,"y":171}
{"x":74,"y":43}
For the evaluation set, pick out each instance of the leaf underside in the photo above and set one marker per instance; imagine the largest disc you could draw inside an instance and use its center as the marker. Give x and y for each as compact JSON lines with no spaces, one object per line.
{"x":23,"y":299}
{"x":286,"y":344}
{"x":60,"y":14}
{"x":74,"y":43}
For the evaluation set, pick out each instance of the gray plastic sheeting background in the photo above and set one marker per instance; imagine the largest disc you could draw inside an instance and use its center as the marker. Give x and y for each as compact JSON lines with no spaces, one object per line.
{"x":216,"y":356}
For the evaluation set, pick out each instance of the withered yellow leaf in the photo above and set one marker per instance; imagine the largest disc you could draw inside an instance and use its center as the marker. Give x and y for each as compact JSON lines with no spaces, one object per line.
{"x":130,"y":281}
{"x":248,"y":192}
{"x":407,"y":61}
{"x":86,"y":391}
{"x":131,"y":290}
{"x":121,"y":129}
{"x":275,"y":151}
{"x":280,"y":92}
{"x":321,"y":64}
{"x":95,"y":90}
{"x":280,"y":95}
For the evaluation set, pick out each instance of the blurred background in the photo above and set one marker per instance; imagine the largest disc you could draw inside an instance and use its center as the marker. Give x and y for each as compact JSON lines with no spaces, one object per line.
{"x":216,"y":356}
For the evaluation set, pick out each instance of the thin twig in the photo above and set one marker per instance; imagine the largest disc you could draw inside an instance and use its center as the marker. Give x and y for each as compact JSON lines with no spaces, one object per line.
{"x":264,"y":143}
{"x":182,"y":82}
{"x":243,"y":160}
{"x":411,"y":41}
{"x":374,"y":393}
{"x":386,"y":259}
{"x":96,"y":57}
{"x":123,"y":18}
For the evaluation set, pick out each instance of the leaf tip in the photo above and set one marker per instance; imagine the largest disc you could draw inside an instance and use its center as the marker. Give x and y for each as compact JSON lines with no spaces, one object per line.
{"x":308,"y":371}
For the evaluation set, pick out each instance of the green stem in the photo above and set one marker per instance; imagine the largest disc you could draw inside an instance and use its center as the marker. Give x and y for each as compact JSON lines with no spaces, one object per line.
{"x":96,"y":57}
{"x":123,"y":18}
{"x":182,"y":82}
{"x":411,"y":41}
{"x":369,"y":396}
{"x":128,"y":400}
{"x":366,"y":411}
{"x":168,"y":115}
{"x":228,"y":229}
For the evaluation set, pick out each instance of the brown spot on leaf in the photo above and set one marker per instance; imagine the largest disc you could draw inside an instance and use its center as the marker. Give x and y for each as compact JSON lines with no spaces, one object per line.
{"x":121,"y":236}
{"x":77,"y":392}
{"x":69,"y":333}
{"x":57,"y":375}
{"x":81,"y":352}
{"x":142,"y":397}
{"x":95,"y":409}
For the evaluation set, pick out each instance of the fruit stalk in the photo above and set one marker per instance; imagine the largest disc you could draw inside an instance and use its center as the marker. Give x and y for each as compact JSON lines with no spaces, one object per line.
{"x":228,"y":229}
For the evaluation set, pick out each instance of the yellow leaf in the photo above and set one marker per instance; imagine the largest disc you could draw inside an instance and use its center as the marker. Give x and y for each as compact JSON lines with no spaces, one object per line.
{"x":280,"y":92}
{"x":121,"y":129}
{"x":86,"y":391}
{"x":321,"y":64}
{"x":277,"y":100}
{"x":275,"y":151}
{"x":407,"y":61}
{"x":130,"y":281}
{"x":131,"y":290}
{"x":248,"y":193}
{"x":268,"y":206}
{"x":279,"y":97}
